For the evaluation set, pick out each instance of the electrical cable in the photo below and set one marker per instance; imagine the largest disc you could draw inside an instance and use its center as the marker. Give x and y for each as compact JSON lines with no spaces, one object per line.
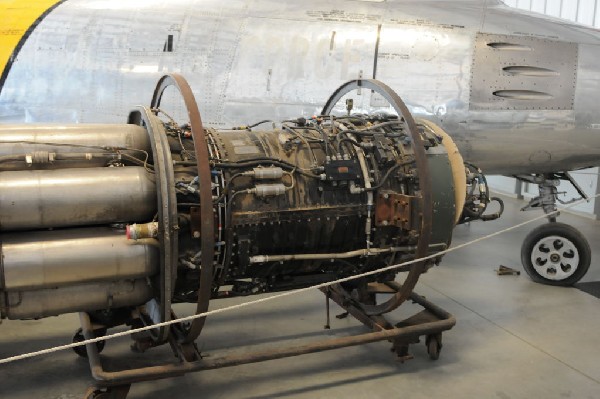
{"x":346,"y":140}
{"x":388,"y":174}
{"x":226,"y":188}
{"x":303,"y":139}
{"x":260,"y":123}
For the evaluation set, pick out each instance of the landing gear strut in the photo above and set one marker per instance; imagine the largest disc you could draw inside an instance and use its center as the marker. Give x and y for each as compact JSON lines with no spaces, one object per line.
{"x":554,"y":253}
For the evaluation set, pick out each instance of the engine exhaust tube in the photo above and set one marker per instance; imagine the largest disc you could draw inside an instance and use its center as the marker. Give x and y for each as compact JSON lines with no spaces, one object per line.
{"x":80,"y":298}
{"x":36,"y":199}
{"x":47,"y":259}
{"x":19,"y":140}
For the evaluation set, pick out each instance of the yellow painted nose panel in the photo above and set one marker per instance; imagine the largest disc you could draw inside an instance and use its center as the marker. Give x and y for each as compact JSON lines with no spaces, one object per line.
{"x":18,"y":18}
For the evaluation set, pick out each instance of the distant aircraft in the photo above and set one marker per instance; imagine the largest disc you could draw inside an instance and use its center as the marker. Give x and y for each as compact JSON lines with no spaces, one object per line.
{"x":518,"y":92}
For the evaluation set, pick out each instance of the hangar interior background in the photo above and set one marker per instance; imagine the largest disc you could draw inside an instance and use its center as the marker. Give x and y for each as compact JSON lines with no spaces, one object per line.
{"x":586,"y":12}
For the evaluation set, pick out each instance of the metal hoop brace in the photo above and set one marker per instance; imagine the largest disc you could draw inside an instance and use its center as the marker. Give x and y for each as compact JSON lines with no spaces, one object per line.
{"x":167,"y":215}
{"x":425,"y":201}
{"x":207,"y":228}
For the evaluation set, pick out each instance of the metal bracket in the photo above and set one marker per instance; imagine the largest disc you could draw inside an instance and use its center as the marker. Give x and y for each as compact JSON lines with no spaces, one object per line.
{"x":393,"y":209}
{"x":580,"y":191}
{"x":507,"y":271}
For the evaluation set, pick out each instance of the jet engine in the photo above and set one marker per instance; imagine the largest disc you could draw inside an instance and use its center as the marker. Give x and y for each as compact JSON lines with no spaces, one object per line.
{"x":122,"y":221}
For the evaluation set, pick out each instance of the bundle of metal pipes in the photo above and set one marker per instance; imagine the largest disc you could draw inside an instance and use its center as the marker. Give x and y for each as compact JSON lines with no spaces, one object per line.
{"x":64,"y":191}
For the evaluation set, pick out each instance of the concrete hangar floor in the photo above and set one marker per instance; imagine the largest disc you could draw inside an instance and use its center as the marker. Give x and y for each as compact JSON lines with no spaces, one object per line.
{"x":513,"y":339}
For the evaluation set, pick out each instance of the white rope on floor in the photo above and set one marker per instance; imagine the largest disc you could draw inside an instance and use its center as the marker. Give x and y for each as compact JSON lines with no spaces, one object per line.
{"x":277,"y":296}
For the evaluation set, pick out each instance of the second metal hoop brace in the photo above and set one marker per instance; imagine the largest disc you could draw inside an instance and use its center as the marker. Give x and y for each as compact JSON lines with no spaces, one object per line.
{"x":425,"y":200}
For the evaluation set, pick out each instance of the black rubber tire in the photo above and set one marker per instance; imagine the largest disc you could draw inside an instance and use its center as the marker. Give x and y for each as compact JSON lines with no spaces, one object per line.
{"x":562,"y":230}
{"x":81,"y":350}
{"x":434,"y":347}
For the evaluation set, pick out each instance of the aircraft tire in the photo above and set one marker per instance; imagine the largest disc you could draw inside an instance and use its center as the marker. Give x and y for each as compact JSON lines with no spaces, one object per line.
{"x":556,"y":254}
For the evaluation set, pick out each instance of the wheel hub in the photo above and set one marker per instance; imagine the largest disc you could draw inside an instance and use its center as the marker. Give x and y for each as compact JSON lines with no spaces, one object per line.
{"x":555,"y":257}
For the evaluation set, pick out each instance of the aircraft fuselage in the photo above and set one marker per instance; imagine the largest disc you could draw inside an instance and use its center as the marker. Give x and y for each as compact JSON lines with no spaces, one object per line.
{"x":518,"y":92}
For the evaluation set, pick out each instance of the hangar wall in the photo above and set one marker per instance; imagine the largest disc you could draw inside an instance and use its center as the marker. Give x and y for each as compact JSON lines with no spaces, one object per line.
{"x":586,"y":12}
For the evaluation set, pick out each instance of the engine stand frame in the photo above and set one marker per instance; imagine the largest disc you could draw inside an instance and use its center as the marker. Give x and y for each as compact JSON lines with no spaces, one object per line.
{"x":430,"y":322}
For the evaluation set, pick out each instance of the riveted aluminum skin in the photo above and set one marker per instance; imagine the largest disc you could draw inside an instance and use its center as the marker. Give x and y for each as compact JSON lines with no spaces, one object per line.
{"x":281,"y":59}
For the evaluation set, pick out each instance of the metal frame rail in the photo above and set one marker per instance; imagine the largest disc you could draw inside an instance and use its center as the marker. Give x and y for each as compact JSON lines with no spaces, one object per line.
{"x":430,"y":322}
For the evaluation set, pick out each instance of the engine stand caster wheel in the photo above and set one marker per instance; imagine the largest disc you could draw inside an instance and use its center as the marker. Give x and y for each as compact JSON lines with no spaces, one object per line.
{"x":434,"y":346}
{"x":94,"y":393}
{"x":556,"y":254}
{"x":80,"y":350}
{"x":119,"y":392}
